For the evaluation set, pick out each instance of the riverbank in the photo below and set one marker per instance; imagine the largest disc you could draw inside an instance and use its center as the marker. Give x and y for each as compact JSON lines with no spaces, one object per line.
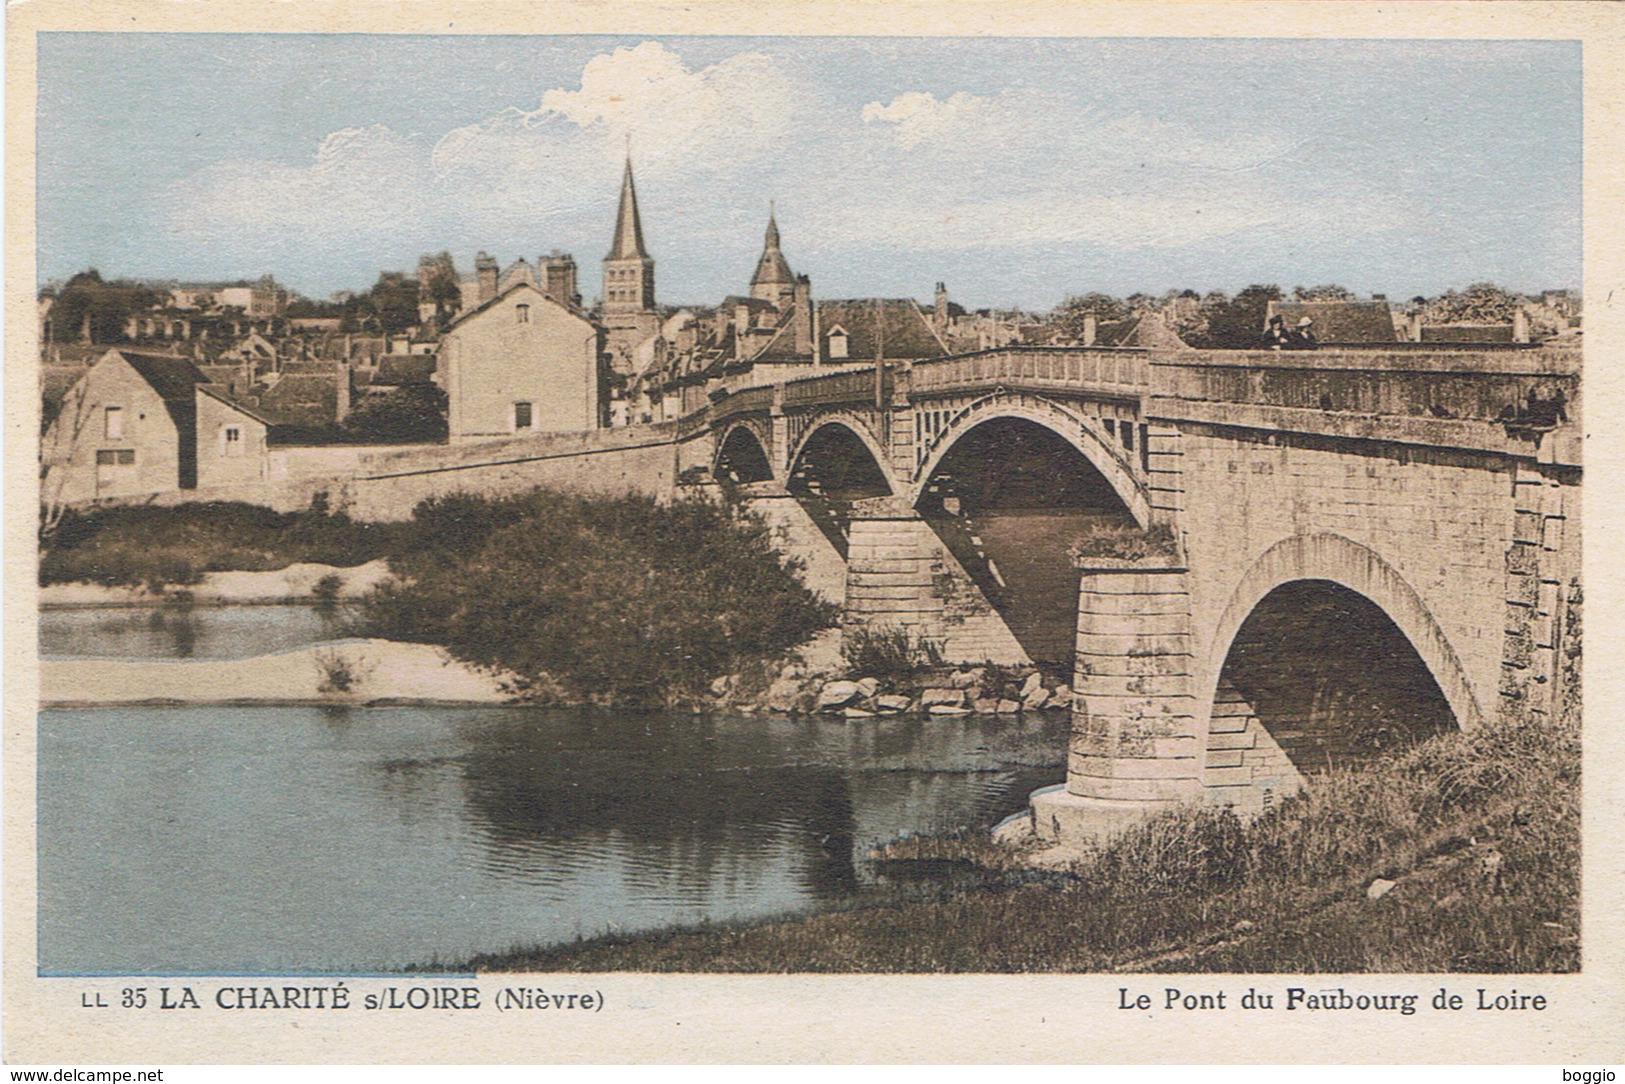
{"x":340,"y":672}
{"x":1459,"y":855}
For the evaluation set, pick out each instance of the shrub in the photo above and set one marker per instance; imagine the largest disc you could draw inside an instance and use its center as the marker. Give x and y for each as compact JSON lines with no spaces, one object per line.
{"x":888,"y":651}
{"x":339,"y":673}
{"x":1125,"y":541}
{"x":618,"y":600}
{"x":156,"y":545}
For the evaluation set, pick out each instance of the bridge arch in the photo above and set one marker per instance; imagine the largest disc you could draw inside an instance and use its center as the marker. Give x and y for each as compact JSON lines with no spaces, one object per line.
{"x":841,"y":425}
{"x":1373,"y":605}
{"x":837,"y":462}
{"x":742,"y":455}
{"x":1068,"y":425}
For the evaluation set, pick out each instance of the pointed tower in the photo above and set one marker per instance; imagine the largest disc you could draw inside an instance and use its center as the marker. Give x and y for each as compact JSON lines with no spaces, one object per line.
{"x":629,"y":271}
{"x":773,"y":281}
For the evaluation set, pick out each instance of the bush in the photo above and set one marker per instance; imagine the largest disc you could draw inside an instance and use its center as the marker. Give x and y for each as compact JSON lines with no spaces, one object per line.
{"x":158,"y":546}
{"x":1125,"y":542}
{"x":883,"y":651}
{"x":618,"y":600}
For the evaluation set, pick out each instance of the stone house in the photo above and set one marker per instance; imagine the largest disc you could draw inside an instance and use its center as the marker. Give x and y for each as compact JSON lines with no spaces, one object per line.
{"x":148,"y":423}
{"x":522,"y":363}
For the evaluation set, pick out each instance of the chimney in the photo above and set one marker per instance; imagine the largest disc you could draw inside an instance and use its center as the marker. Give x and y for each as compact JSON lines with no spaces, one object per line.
{"x":1091,"y":328}
{"x":803,"y":301}
{"x":941,"y":310}
{"x":485,"y":269}
{"x":559,"y":278}
{"x":1520,"y":325}
{"x":1416,"y":326}
{"x":341,"y":409}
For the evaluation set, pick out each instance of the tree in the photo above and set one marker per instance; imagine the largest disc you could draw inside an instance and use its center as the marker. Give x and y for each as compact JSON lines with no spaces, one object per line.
{"x":94,"y":310}
{"x":1480,"y":303}
{"x":1237,"y":324}
{"x":1069,"y":314}
{"x":1328,"y":292}
{"x":406,"y":415}
{"x":391,"y":306}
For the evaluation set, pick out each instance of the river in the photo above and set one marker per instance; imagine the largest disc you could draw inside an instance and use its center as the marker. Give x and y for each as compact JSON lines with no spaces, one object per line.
{"x":310,"y":840}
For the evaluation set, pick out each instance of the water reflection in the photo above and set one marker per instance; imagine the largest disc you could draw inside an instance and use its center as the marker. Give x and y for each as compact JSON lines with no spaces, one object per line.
{"x":208,"y":839}
{"x":187,"y":631}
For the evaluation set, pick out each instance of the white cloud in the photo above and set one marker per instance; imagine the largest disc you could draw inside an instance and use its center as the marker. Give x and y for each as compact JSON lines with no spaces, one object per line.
{"x":916,"y":173}
{"x":921,"y":118}
{"x":678,"y":120}
{"x":358,"y":181}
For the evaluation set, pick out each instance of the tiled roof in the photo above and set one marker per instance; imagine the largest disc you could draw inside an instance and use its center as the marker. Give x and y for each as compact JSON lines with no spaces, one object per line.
{"x":220,"y":394}
{"x":907,"y":334}
{"x":301,"y":399}
{"x":404,"y":369}
{"x":1340,"y":321}
{"x":1467,"y":333}
{"x":174,"y":379}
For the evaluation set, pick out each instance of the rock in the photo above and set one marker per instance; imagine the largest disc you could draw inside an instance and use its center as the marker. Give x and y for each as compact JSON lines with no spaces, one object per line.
{"x":836,"y":694}
{"x":1034,"y":681}
{"x":1379,"y":888}
{"x":968,"y":679}
{"x":948,"y":709}
{"x":1014,"y":831}
{"x":931,"y":698}
{"x":1244,"y":926}
{"x":1035,"y":699}
{"x":985,"y":705}
{"x":723,"y":685}
{"x":892,"y":703}
{"x":857,"y":713}
{"x":1060,"y":697}
{"x":868,"y":687}
{"x":1007,"y":707}
{"x":782,"y":694}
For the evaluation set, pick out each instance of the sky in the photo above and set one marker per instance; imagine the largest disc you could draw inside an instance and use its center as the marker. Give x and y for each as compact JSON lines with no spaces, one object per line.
{"x":1015,"y":170}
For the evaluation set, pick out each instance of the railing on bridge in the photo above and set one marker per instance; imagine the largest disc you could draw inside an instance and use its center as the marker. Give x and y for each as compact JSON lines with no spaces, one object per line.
{"x":1091,"y":370}
{"x":1469,"y":385}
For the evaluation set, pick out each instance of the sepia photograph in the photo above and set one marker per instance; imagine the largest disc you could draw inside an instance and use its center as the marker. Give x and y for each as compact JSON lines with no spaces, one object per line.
{"x":590,"y":503}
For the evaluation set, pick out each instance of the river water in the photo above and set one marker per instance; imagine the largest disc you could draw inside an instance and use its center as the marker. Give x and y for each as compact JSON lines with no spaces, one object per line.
{"x":185,"y":631}
{"x":299,"y":840}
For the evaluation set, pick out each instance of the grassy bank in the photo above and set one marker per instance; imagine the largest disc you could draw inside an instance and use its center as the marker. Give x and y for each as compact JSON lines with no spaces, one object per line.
{"x":1478,"y":835}
{"x":161,"y":547}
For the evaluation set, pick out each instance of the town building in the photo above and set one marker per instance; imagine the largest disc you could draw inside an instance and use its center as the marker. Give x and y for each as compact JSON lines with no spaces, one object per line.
{"x":522,"y":362}
{"x":139,"y":423}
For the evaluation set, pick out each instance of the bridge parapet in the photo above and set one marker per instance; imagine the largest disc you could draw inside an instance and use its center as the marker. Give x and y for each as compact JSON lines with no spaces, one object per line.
{"x":1099,"y":372}
{"x":1523,"y":403}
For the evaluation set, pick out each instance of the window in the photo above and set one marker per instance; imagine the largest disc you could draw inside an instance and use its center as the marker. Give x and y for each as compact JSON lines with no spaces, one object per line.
{"x":111,"y":457}
{"x":522,"y":418}
{"x":522,"y":313}
{"x":837,"y":342}
{"x":231,"y":440}
{"x":114,"y":423}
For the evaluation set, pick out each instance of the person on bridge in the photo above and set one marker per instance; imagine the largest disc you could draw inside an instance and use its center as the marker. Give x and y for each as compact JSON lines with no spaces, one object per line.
{"x":1301,"y":337}
{"x":1275,"y":335}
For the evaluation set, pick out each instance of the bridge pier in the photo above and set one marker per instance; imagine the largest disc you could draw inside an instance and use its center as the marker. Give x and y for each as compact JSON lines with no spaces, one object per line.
{"x":1134,"y":749}
{"x":899,"y":574}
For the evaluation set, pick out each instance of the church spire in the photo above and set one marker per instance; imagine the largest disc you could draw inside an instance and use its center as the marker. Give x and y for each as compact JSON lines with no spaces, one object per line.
{"x":628,"y":243}
{"x":772,"y":270}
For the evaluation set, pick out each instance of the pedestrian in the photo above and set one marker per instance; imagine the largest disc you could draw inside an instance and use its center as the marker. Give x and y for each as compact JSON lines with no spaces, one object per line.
{"x":1275,"y":336}
{"x":1301,"y":337}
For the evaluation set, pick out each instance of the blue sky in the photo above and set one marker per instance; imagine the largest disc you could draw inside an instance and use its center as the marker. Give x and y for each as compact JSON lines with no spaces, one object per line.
{"x":1017,"y":170}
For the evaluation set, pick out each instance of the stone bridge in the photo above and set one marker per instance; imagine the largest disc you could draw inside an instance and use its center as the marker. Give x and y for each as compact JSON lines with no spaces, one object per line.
{"x":1255,"y":565}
